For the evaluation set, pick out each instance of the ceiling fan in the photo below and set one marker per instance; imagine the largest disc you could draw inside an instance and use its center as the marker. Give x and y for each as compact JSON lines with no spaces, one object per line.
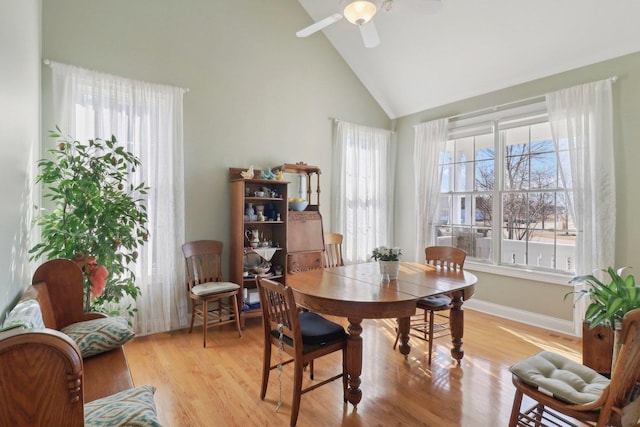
{"x":361,"y":13}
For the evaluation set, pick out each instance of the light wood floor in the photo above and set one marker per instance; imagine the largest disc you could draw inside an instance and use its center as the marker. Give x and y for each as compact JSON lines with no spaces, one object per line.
{"x":220,"y":385}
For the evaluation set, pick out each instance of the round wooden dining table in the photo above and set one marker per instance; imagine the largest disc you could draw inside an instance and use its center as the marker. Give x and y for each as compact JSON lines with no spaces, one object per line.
{"x":358,"y":292}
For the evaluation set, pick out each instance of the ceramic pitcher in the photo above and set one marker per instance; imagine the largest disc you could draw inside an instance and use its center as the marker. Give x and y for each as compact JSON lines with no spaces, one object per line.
{"x":253,"y":236}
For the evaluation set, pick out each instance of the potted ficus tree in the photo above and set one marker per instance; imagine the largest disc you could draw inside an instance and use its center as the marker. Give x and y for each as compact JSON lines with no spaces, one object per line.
{"x":95,"y":215}
{"x":609,"y":302}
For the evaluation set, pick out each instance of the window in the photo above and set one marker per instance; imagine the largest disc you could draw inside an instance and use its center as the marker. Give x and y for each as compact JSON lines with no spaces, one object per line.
{"x":502,"y":198}
{"x":362,"y":189}
{"x":147,"y":119}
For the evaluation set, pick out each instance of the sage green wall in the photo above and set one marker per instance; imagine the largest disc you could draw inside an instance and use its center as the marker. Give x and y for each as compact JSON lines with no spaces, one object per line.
{"x":258,"y":94}
{"x":529,"y":295}
{"x":19,"y":140}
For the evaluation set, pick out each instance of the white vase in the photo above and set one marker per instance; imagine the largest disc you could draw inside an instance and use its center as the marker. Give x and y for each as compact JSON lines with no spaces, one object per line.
{"x":390,"y":268}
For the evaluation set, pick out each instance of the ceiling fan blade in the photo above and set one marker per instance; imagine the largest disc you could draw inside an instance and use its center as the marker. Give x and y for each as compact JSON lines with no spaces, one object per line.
{"x":369,"y":34}
{"x":319,"y":25}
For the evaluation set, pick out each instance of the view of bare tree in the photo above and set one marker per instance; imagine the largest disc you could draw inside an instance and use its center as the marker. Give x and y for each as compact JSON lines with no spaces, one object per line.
{"x":527,"y":167}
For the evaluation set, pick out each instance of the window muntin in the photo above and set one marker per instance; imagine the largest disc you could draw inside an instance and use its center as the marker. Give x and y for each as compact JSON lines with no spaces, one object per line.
{"x":518,"y":196}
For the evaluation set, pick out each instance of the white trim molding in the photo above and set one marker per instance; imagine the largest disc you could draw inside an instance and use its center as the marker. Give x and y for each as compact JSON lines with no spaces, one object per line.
{"x":526,"y":317}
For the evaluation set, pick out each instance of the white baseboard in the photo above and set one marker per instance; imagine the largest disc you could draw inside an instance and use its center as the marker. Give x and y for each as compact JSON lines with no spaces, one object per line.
{"x":527,"y":317}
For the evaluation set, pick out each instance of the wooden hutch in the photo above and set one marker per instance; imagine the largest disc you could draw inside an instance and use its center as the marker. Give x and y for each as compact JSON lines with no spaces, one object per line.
{"x":270,"y":197}
{"x":290,"y":241}
{"x":305,"y":237}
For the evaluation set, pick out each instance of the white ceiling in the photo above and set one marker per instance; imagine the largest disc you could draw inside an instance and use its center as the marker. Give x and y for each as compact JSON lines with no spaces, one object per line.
{"x":471,"y":47}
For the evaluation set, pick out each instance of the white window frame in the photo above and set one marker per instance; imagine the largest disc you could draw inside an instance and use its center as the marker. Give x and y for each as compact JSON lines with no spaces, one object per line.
{"x":531,"y":113}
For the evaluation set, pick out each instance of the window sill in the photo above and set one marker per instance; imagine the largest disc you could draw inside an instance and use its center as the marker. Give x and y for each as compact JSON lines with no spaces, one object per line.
{"x":521,"y":273}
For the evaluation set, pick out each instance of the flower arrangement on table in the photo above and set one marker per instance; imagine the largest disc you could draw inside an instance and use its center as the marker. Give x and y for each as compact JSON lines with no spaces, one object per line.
{"x":383,"y":253}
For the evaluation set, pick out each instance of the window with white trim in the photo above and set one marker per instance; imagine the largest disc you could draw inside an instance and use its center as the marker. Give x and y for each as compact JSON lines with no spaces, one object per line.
{"x":502,"y":196}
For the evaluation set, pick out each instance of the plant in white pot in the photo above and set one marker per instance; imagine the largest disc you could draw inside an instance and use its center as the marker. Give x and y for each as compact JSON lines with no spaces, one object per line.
{"x":95,"y":215}
{"x":609,"y":302}
{"x":389,"y":260}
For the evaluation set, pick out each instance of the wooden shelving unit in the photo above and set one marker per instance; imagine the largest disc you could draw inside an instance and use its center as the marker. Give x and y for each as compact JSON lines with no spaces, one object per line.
{"x":270,"y":230}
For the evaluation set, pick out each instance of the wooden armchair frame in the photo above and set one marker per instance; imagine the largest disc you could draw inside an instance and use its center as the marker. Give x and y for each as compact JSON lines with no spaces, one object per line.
{"x":619,"y":404}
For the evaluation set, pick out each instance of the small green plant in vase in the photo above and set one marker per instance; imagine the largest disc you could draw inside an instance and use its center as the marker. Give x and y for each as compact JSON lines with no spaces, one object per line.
{"x":388,"y":260}
{"x":95,"y":216}
{"x":383,"y":253}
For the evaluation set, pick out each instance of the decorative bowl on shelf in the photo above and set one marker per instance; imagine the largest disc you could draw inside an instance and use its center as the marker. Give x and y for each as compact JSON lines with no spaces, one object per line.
{"x":261,"y":269}
{"x":298,"y":206}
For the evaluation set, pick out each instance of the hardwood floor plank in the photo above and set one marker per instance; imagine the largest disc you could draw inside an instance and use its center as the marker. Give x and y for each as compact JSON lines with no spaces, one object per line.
{"x":220,"y":385}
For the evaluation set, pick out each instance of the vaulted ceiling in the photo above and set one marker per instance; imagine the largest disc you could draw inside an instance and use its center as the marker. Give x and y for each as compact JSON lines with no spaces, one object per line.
{"x":471,"y":47}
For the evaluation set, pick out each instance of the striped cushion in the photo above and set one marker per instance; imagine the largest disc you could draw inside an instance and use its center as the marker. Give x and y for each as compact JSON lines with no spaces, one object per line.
{"x":133,"y":407}
{"x":99,"y":335}
{"x":26,"y":313}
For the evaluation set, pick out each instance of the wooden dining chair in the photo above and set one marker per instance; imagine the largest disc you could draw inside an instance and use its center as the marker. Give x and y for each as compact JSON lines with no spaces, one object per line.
{"x":213,"y":300}
{"x":302,"y":335}
{"x":424,"y":323}
{"x":563,"y":388}
{"x":333,"y":250}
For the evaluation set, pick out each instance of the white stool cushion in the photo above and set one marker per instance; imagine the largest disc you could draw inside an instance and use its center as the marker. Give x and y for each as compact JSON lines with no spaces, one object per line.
{"x":563,"y":378}
{"x":214,"y":288}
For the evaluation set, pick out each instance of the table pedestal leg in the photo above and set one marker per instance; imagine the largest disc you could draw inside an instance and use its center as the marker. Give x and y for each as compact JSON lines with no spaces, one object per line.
{"x":354,"y":360}
{"x":456,"y":323}
{"x":403,"y":328}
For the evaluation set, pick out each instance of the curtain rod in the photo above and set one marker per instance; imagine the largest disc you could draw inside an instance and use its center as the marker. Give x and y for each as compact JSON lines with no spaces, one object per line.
{"x":537,"y":98}
{"x":336,"y":120}
{"x":48,"y":62}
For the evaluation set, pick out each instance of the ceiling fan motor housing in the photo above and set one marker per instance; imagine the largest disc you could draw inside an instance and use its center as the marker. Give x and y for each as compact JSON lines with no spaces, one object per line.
{"x":360,"y":12}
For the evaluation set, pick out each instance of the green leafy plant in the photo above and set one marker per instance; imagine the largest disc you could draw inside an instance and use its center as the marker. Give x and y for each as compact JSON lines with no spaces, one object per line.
{"x":383,"y":253}
{"x":609,"y":301}
{"x":96,"y":215}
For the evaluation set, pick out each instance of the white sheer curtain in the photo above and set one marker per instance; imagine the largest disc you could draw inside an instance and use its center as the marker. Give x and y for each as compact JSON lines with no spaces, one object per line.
{"x":147,"y":120}
{"x":363,"y":172}
{"x":430,"y":141}
{"x":581,"y":119}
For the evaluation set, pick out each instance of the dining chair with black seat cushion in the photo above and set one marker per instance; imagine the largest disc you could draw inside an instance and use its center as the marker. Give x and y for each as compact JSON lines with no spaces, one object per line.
{"x":333,"y":250}
{"x":303,"y":335}
{"x":213,"y":300}
{"x":445,"y":257}
{"x":563,"y":388}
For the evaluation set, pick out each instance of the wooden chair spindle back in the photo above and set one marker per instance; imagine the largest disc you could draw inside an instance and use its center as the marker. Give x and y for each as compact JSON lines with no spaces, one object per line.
{"x":445,"y":257}
{"x":203,"y":262}
{"x":279,"y":308}
{"x":333,"y":250}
